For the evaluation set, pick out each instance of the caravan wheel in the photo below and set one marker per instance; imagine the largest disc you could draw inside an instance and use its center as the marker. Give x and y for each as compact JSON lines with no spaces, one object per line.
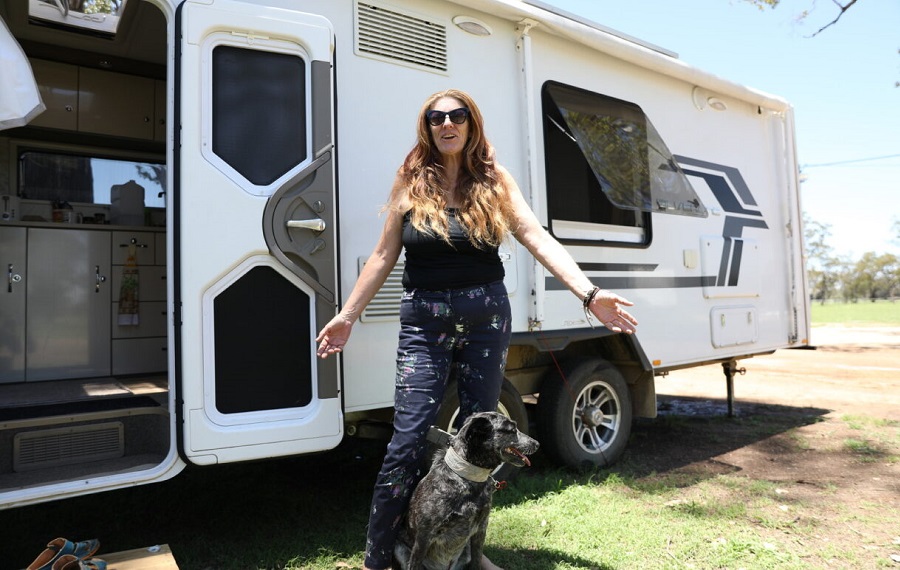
{"x":584,"y":416}
{"x":510,"y":405}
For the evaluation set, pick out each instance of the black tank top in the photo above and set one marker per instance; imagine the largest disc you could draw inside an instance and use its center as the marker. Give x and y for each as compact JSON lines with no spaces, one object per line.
{"x":434,"y":264}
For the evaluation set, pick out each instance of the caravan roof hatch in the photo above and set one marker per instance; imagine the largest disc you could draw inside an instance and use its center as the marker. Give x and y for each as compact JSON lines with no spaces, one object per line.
{"x":101,"y":16}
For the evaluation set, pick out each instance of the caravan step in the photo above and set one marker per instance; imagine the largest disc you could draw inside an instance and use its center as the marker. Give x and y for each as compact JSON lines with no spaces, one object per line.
{"x":152,"y":558}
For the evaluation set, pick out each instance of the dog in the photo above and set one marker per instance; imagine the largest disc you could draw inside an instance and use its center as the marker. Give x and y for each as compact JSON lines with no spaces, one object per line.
{"x":447,"y":520}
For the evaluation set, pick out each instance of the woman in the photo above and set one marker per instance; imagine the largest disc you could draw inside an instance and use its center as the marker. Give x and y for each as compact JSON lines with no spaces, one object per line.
{"x":451,"y":206}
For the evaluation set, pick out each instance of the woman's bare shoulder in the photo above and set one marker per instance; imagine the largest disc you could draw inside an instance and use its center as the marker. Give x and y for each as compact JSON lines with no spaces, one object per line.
{"x":507,"y":180}
{"x":399,"y":201}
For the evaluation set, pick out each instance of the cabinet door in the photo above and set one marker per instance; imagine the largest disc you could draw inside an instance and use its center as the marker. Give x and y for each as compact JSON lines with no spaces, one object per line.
{"x":68,"y":301}
{"x":159,"y":110}
{"x":12,"y":305}
{"x":58,"y":84}
{"x":115,"y":104}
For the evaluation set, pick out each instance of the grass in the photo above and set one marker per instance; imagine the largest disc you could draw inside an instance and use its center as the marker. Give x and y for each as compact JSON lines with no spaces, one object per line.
{"x":310,"y":512}
{"x":878,"y":440}
{"x":880,"y":312}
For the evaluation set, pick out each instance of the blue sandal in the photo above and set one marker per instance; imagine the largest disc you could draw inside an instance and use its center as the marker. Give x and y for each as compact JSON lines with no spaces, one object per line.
{"x":61,"y":547}
{"x":70,"y":562}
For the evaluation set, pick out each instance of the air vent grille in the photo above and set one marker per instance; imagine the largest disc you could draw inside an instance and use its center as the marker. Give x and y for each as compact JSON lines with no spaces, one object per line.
{"x":68,"y":446}
{"x":402,"y":38}
{"x":385,"y":306}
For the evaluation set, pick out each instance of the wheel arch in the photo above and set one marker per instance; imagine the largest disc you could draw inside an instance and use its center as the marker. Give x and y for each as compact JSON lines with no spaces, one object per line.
{"x":537,"y":357}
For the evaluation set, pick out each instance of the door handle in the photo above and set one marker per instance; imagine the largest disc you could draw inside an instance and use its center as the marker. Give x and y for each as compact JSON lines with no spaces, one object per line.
{"x":316,"y":225}
{"x":99,"y":278}
{"x":11,"y":278}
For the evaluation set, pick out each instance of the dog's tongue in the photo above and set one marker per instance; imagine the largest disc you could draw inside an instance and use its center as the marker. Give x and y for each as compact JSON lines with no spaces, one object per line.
{"x":520,"y":455}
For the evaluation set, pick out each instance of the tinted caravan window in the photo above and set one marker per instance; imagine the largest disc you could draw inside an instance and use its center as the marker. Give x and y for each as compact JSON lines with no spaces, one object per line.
{"x":607,"y":168}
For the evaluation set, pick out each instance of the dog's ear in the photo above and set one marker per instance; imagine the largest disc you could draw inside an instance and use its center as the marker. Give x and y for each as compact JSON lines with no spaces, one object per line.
{"x":479,"y":428}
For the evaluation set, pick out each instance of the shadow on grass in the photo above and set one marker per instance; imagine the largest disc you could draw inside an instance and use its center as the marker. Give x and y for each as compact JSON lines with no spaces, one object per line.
{"x":694,"y":431}
{"x":678,"y":448}
{"x":544,"y":559}
{"x":280,"y":513}
{"x":267,"y":514}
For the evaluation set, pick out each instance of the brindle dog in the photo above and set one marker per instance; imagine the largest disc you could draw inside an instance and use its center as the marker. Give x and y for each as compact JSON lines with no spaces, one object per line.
{"x":448,"y":513}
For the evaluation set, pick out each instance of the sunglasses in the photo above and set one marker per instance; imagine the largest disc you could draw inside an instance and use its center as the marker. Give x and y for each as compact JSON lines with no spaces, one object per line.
{"x":437,"y":118}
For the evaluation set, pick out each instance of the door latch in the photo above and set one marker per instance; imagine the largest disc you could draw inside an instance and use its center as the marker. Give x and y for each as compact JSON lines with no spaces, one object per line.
{"x":11,"y":278}
{"x":99,"y":278}
{"x":316,"y":224}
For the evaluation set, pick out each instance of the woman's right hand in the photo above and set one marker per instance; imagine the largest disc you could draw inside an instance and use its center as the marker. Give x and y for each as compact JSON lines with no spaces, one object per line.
{"x":333,"y":336}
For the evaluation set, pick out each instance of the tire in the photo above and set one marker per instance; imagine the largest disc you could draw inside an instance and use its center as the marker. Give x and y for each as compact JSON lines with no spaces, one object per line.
{"x":585,"y":416}
{"x":510,"y":405}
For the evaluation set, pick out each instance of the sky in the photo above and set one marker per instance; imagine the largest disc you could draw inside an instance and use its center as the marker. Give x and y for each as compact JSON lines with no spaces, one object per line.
{"x":840,"y":82}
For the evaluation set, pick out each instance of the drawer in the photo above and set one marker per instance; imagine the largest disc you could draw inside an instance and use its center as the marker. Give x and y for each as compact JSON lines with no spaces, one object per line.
{"x":160,"y":248}
{"x":145,"y":247}
{"x":139,"y":356}
{"x":151,"y":282}
{"x":152,"y":319}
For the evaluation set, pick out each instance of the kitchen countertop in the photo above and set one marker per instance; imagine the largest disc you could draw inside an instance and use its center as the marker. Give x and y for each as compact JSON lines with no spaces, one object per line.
{"x":64,"y":226}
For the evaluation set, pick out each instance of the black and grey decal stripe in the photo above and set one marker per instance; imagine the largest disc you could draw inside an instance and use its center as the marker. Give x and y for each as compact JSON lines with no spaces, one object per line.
{"x":734,"y":196}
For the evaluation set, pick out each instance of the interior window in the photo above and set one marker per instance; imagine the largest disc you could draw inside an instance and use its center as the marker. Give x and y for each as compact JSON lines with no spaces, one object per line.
{"x":91,"y":15}
{"x":87,"y":179}
{"x":607,"y":168}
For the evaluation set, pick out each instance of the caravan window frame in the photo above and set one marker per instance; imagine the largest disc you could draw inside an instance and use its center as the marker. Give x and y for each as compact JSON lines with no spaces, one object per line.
{"x":578,"y":211}
{"x":274,"y":46}
{"x":58,"y":12}
{"x":607,"y":169}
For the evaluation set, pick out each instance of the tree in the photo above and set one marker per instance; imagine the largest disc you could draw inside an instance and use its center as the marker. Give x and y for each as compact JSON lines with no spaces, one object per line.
{"x":873,"y":277}
{"x":822,"y":267}
{"x":842,"y":9}
{"x":155,"y":173}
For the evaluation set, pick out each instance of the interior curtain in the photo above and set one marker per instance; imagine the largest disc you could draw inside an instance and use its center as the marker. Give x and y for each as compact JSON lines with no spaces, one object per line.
{"x":20,"y":99}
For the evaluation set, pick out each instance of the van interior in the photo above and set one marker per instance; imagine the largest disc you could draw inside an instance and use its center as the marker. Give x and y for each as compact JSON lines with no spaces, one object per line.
{"x":83,"y":352}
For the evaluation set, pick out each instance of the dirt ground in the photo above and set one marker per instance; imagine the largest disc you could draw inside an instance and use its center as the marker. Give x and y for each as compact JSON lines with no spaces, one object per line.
{"x":827,"y":437}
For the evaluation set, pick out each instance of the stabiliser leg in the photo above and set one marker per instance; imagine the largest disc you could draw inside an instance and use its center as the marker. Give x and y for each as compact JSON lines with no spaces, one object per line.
{"x":730,"y":368}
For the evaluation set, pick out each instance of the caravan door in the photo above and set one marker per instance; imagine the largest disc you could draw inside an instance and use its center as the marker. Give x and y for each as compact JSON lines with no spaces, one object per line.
{"x":253,"y":232}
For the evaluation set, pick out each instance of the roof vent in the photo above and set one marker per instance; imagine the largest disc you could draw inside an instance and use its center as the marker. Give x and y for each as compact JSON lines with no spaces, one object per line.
{"x":399,"y":37}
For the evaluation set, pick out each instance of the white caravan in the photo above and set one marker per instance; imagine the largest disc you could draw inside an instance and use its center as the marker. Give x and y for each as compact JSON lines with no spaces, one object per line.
{"x":205,"y":184}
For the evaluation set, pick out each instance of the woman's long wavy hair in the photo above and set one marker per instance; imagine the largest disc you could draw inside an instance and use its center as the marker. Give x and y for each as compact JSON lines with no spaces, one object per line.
{"x":486,"y":212}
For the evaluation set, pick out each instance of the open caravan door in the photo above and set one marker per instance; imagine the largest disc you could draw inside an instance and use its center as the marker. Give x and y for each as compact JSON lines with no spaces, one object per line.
{"x":254,"y":232}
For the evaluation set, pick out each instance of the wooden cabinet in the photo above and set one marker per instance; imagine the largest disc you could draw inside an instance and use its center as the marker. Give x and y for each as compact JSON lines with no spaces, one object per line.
{"x":115,"y":104}
{"x":139,"y":347}
{"x":101,"y":102}
{"x":67,"y":282}
{"x":67,"y":303}
{"x":161,"y":248}
{"x":12,"y":304}
{"x":58,"y":84}
{"x":159,"y":111}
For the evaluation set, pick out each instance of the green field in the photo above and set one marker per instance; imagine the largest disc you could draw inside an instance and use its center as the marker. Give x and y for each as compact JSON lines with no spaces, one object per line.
{"x":863,"y":312}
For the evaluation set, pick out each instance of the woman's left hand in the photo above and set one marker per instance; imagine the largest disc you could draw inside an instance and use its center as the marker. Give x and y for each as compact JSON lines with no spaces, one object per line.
{"x":606,"y":306}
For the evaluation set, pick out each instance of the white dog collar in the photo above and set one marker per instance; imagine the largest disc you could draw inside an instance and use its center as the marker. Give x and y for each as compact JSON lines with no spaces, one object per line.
{"x":465,"y":469}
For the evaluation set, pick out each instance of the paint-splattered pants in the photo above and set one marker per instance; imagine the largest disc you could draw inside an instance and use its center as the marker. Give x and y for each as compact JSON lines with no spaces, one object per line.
{"x":458,"y":333}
